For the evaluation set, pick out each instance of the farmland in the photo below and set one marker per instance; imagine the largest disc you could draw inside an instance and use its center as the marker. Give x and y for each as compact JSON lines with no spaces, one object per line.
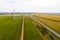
{"x":10,"y":29}
{"x":25,"y":27}
{"x":53,"y":21}
{"x":30,"y":32}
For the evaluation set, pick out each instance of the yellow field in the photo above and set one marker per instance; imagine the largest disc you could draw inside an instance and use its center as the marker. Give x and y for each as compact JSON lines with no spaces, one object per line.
{"x":54,"y":17}
{"x":52,"y":24}
{"x":46,"y":36}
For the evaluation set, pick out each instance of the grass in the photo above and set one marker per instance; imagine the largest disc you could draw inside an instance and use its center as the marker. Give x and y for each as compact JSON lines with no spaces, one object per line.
{"x":10,"y":29}
{"x":30,"y":32}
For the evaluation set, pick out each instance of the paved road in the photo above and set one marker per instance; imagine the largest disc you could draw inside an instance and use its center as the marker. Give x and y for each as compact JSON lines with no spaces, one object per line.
{"x":55,"y":33}
{"x":22,"y":33}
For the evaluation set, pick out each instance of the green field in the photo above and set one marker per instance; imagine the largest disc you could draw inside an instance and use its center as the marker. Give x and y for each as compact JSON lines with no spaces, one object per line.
{"x":30,"y":32}
{"x":10,"y":29}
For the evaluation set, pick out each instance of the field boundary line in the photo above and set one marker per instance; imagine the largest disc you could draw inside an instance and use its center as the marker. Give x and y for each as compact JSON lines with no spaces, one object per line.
{"x":55,"y":33}
{"x":22,"y":32}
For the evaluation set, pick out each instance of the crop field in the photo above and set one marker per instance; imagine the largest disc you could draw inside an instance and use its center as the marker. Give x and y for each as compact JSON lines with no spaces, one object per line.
{"x":51,"y":21}
{"x":49,"y":16}
{"x":44,"y":33}
{"x":10,"y":29}
{"x":25,"y":27}
{"x":30,"y":32}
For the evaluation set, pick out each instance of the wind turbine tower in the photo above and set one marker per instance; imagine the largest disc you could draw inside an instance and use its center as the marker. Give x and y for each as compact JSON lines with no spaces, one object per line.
{"x":14,"y":13}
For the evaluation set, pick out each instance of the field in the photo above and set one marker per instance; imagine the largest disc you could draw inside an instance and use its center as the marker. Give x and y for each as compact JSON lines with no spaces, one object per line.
{"x":53,"y":21}
{"x":12,"y":29}
{"x":30,"y":31}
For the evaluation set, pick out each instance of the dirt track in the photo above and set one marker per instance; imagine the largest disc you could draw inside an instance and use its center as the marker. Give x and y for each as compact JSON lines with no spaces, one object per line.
{"x":22,"y":33}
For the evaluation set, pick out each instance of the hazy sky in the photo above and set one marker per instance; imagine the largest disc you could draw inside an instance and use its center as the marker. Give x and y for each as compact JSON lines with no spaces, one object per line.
{"x":30,"y":5}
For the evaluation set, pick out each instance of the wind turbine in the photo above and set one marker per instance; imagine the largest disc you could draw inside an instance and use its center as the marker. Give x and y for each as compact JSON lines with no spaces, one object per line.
{"x":14,"y":14}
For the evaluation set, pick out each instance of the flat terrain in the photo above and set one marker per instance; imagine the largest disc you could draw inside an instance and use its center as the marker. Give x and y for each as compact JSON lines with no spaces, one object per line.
{"x":9,"y":14}
{"x":53,"y":21}
{"x":24,"y":27}
{"x":10,"y":29}
{"x":44,"y":33}
{"x":30,"y":32}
